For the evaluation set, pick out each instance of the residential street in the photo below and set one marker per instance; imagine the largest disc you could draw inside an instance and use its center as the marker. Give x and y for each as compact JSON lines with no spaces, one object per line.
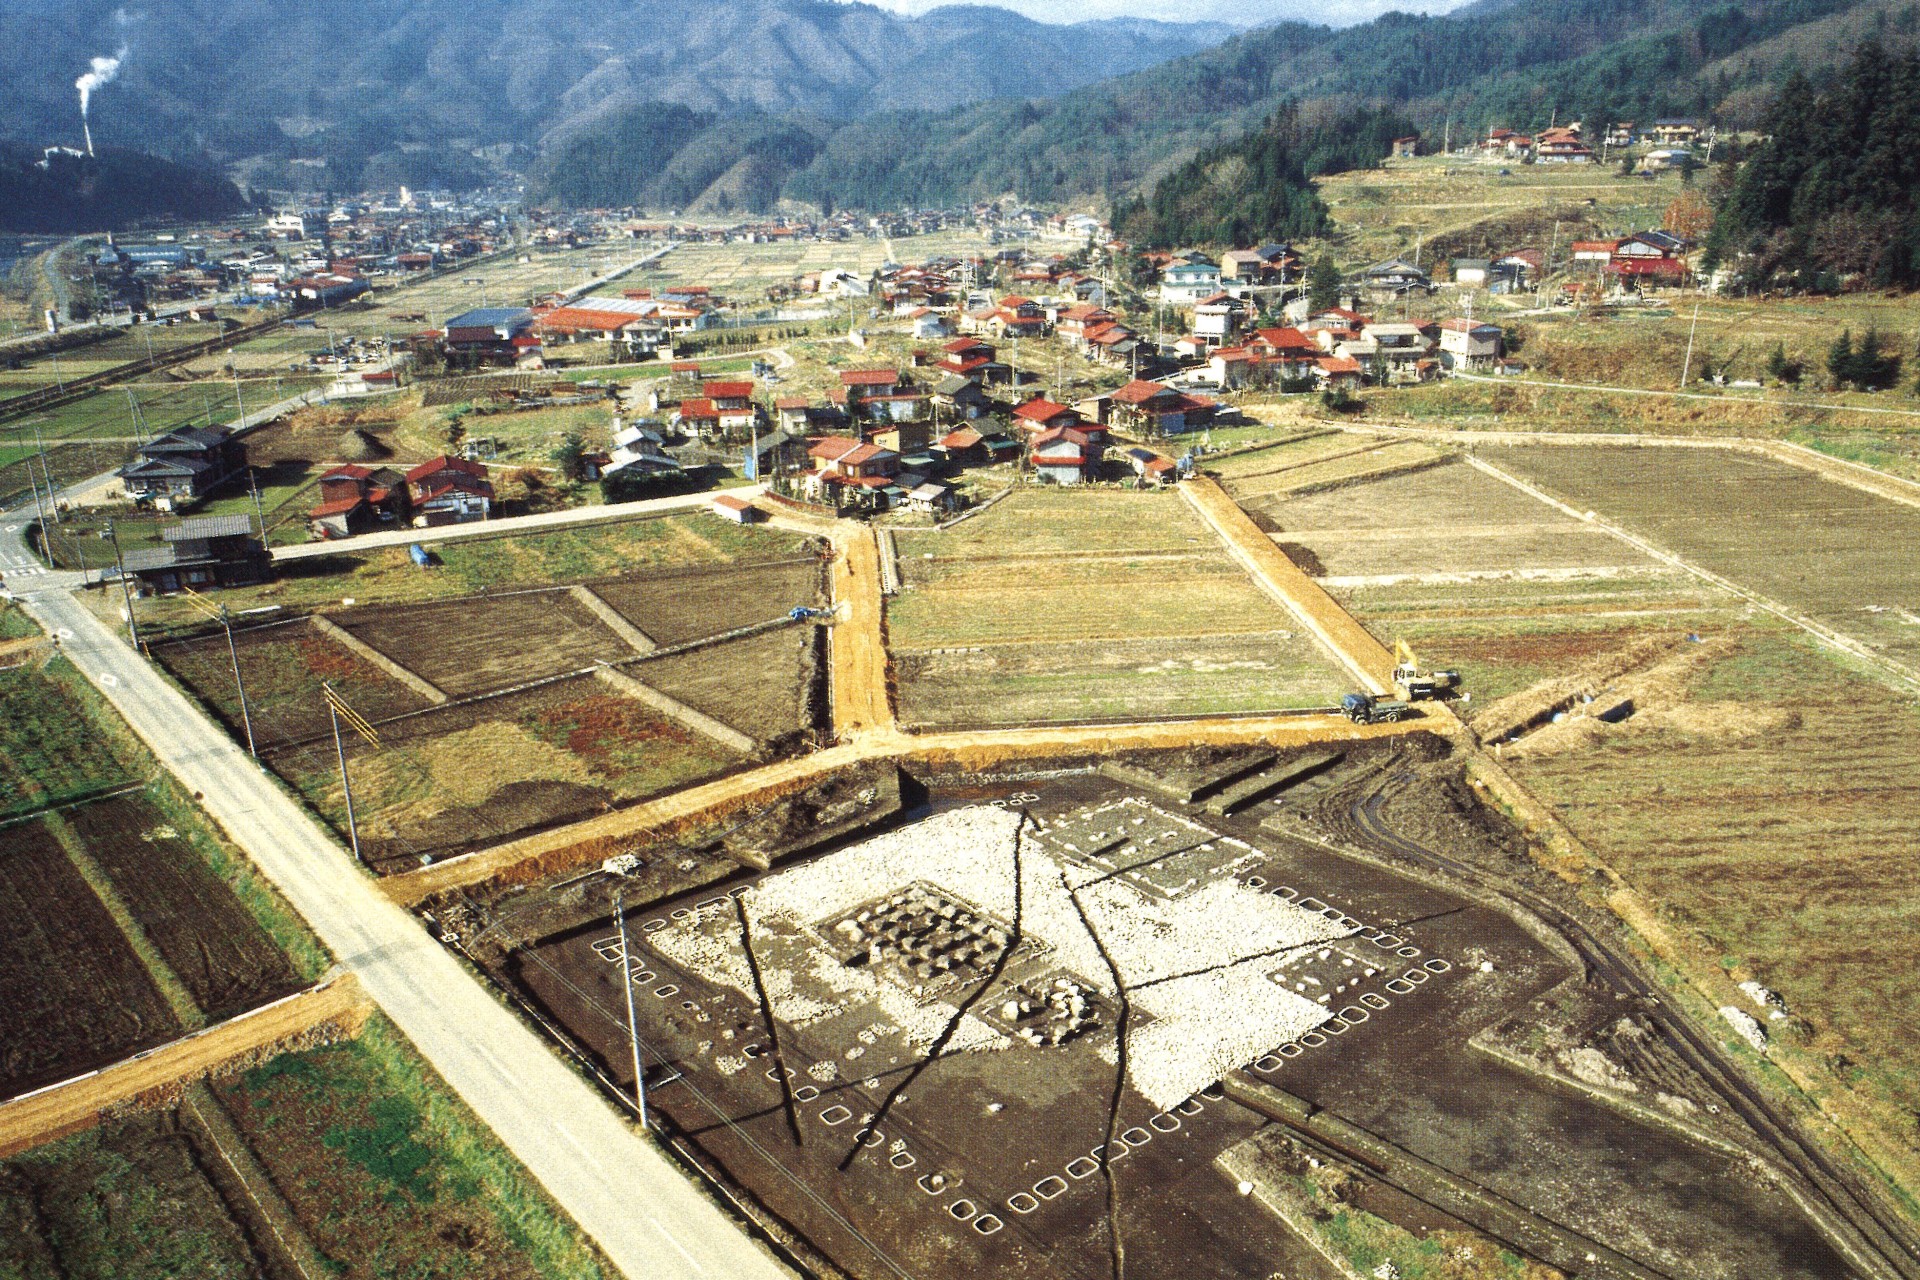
{"x":637,"y":1206}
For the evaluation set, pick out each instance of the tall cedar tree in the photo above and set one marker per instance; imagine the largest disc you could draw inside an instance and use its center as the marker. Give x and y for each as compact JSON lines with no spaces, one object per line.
{"x":1835,"y":191}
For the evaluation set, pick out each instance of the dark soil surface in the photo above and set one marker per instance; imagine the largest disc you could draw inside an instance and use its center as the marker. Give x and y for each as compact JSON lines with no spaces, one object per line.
{"x":128,"y":1202}
{"x":758,"y":685}
{"x":480,"y":643}
{"x":676,"y":606}
{"x":224,"y":957}
{"x":73,"y":995}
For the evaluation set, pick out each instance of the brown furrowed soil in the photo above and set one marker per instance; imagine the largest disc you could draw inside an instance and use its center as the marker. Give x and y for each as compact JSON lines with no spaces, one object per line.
{"x":681,"y":605}
{"x":481,"y":643}
{"x":758,"y":685}
{"x":224,"y":957}
{"x":73,"y":994}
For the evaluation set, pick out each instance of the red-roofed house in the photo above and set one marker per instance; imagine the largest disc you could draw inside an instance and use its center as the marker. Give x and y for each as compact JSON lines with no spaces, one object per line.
{"x":1339,"y":371}
{"x":448,"y":490}
{"x":1041,"y":414}
{"x":1066,"y":455}
{"x":1154,"y":408}
{"x":861,"y":383}
{"x":354,"y":499}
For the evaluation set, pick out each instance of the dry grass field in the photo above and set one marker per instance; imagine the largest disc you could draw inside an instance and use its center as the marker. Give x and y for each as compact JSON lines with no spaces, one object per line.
{"x":1823,"y":549}
{"x":1067,"y":605}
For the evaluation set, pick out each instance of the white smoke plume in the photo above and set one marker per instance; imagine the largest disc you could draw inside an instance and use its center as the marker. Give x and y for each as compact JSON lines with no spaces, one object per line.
{"x":102,"y":71}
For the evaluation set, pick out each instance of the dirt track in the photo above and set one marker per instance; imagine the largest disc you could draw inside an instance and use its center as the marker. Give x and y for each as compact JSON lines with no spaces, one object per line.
{"x":1351,"y":643}
{"x":583,"y":843}
{"x":67,"y":1108}
{"x":860,"y":703}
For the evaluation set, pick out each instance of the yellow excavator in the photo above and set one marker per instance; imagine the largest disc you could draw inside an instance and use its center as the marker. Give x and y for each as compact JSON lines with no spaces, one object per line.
{"x":1413,"y":683}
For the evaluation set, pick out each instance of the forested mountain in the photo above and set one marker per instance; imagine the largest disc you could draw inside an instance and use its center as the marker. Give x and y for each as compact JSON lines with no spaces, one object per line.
{"x":61,"y":193}
{"x":344,"y":92}
{"x":727,"y":104}
{"x":1522,"y":65}
{"x":1836,"y":189}
{"x":1258,"y":187}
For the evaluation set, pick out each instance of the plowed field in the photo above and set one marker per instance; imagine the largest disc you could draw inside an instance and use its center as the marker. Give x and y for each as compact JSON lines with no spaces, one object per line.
{"x":689,"y":604}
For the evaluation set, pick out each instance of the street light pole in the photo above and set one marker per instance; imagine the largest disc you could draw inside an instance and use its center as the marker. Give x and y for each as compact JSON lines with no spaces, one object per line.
{"x":633,"y":1028}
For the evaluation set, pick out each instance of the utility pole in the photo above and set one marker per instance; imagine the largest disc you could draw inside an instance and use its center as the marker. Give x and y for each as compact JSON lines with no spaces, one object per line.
{"x":633,"y":1028}
{"x":253,"y":483}
{"x":239,"y":404}
{"x":334,"y":705}
{"x":1687,"y":365}
{"x":126,"y":588}
{"x":246,"y":716}
{"x":53,"y":501}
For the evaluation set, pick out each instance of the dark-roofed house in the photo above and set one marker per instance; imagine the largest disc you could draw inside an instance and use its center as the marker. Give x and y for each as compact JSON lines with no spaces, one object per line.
{"x":448,"y":490}
{"x":183,"y":465}
{"x":211,"y":551}
{"x":960,"y":395}
{"x":488,"y":330}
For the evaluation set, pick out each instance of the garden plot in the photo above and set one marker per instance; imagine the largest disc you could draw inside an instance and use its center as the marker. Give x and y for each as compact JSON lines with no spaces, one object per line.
{"x":1438,"y":523}
{"x":283,"y":667}
{"x":73,"y":994}
{"x":761,"y":685}
{"x":471,"y":774}
{"x":1816,"y":546}
{"x":219,"y":952}
{"x":675,"y":606}
{"x":489,"y":642}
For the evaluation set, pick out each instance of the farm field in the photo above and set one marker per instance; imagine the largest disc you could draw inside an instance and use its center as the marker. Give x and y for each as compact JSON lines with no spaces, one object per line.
{"x":1440,"y":521}
{"x":1814,"y":545}
{"x":742,"y":272}
{"x":73,"y":992}
{"x":675,"y":606}
{"x":1358,"y":462}
{"x":347,"y":1160}
{"x":471,"y":566}
{"x":125,"y":347}
{"x":54,"y":742}
{"x":1767,"y":806}
{"x":1458,"y":206}
{"x":471,"y":774}
{"x":761,"y":685}
{"x":219,"y":952}
{"x":1060,"y":605}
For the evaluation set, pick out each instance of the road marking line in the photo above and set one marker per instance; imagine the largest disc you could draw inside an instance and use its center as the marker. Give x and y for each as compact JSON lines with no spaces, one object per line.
{"x":678,"y":1248}
{"x":577,"y":1145}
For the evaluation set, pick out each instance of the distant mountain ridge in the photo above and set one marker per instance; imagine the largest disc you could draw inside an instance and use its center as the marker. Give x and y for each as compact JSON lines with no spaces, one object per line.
{"x":398,"y":81}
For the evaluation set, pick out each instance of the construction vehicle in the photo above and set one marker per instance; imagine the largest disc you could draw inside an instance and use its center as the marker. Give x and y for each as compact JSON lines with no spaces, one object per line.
{"x":1364,"y":708}
{"x":1415,"y":684}
{"x":803,"y":613}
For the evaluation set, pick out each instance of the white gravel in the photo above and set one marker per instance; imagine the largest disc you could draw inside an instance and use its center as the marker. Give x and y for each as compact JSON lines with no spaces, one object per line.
{"x":1210,"y":1014}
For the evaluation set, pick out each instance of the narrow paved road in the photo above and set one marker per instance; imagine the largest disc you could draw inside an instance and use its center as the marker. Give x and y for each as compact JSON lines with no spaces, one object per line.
{"x":639,"y":1208}
{"x":513,"y":524}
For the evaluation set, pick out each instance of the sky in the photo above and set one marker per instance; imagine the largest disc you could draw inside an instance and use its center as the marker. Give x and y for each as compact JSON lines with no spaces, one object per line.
{"x":1241,"y":13}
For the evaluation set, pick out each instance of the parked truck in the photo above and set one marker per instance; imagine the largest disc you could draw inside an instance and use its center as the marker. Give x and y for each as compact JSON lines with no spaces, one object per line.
{"x":1365,"y":708}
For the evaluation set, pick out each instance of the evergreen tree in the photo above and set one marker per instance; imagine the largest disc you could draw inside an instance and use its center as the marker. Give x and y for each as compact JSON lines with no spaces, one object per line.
{"x":1840,"y":360}
{"x":1323,"y":284}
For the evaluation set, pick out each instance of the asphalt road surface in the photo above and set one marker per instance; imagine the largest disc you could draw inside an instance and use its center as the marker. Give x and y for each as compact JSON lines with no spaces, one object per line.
{"x":637,"y":1206}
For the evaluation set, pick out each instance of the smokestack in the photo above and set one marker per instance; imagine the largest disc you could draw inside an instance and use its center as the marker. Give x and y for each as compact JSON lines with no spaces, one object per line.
{"x":99,"y":72}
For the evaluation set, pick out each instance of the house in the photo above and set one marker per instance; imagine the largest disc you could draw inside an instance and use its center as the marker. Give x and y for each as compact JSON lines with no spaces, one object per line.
{"x":792,"y":413}
{"x":447,"y":490}
{"x":961,"y":447}
{"x":1675,"y":132}
{"x":1394,"y":279}
{"x":1398,"y":346}
{"x":1338,"y":371}
{"x":1153,"y":408}
{"x":776,"y":453}
{"x":1593,"y":251}
{"x":211,"y":551}
{"x":851,"y":459}
{"x":933,"y":497}
{"x":1151,"y":468}
{"x":928,"y":323}
{"x":489,"y":334}
{"x":1216,"y":319}
{"x":1406,"y":148}
{"x":1471,"y":272}
{"x":183,"y":466}
{"x":1041,"y":414}
{"x":1561,"y":146}
{"x":739,"y":510}
{"x":1620,"y":134}
{"x":1469,"y":344}
{"x":1185,"y":283}
{"x":863,"y":384}
{"x":960,"y":396}
{"x":902,"y":406}
{"x":1065,"y":455}
{"x":1663,"y":158}
{"x":354,"y":499}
